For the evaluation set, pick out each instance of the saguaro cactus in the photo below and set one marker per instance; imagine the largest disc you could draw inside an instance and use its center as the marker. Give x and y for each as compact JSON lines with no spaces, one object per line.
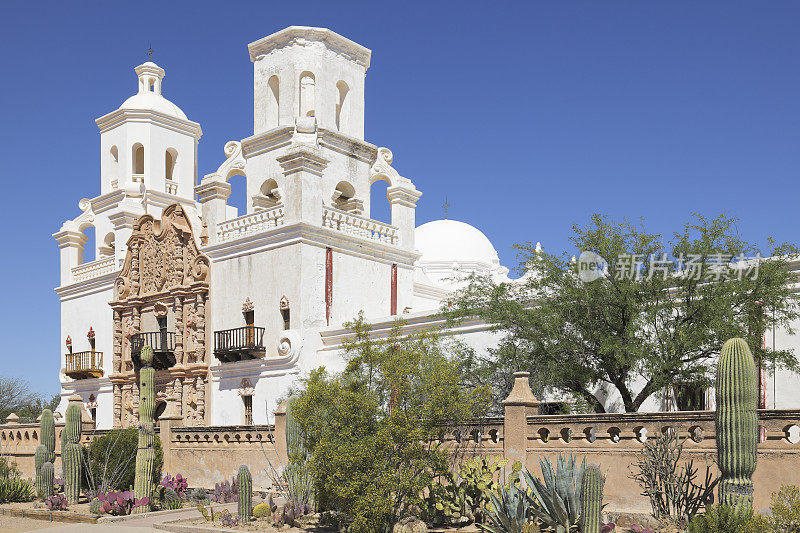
{"x":245,"y":494}
{"x":592,"y":500}
{"x":71,"y":453}
{"x":146,"y":454}
{"x":45,"y":453}
{"x":736,"y":423}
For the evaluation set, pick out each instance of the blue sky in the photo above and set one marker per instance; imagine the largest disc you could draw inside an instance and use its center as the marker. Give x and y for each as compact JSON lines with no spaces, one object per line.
{"x":527,"y":116}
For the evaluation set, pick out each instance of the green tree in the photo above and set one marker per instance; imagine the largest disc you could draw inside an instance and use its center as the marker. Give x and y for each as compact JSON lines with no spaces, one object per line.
{"x":16,"y":397}
{"x":373,"y":428}
{"x":644,"y":324}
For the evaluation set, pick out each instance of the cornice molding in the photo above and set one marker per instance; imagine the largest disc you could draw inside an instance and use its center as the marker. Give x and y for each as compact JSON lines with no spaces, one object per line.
{"x":308,"y":36}
{"x":314,"y":235}
{"x":156,"y":118}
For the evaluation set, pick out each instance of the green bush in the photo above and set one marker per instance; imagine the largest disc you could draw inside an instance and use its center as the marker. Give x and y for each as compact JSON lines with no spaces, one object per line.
{"x":8,"y":468}
{"x":374,"y":429}
{"x":112,"y":460}
{"x":15,"y":489}
{"x":725,"y":519}
{"x":786,"y":509}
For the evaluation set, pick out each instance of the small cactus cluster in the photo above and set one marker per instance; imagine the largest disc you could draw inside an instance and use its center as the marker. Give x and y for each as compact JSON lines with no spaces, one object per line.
{"x":736,"y":423}
{"x":592,"y":500}
{"x":45,"y":455}
{"x":245,"y":494}
{"x":72,"y":453}
{"x":146,"y":454}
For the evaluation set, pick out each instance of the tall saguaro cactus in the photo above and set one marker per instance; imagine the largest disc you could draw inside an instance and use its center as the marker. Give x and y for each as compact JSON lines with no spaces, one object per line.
{"x":736,"y":423}
{"x":245,"y":494}
{"x":45,"y":453}
{"x":592,"y":500}
{"x":71,"y":453}
{"x":146,"y":454}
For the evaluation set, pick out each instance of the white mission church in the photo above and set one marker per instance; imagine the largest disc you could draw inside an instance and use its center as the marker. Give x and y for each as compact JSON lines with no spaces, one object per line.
{"x":237,"y":307}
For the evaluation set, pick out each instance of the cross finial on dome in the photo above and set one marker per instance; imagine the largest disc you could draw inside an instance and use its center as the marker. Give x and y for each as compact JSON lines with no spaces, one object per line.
{"x":445,"y":205}
{"x":149,"y":52}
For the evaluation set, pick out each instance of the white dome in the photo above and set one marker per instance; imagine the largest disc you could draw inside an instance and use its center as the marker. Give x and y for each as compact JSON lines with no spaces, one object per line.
{"x":451,"y":241}
{"x":149,"y":101}
{"x":149,"y":97}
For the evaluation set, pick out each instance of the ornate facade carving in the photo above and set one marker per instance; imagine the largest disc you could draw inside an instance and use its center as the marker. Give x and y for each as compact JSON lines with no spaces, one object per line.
{"x":164,"y":276}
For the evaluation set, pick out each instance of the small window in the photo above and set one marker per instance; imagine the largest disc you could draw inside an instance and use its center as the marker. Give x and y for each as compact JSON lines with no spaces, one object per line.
{"x":286,"y":314}
{"x":248,"y":410}
{"x":170,"y":157}
{"x":307,"y":96}
{"x":93,"y":412}
{"x":138,"y":162}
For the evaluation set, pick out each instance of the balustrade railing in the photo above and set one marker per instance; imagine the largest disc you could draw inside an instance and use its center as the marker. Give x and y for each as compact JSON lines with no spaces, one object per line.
{"x":250,"y":224}
{"x":80,"y":365}
{"x":94,"y":269}
{"x":359,"y":226}
{"x":162,"y":343}
{"x":239,"y":343}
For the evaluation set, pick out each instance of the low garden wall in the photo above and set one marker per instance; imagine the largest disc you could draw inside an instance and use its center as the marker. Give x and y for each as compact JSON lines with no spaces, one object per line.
{"x":207,"y":455}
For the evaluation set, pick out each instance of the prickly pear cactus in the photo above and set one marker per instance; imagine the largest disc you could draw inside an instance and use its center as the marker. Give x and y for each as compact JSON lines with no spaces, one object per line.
{"x":72,"y":454}
{"x":146,"y":454}
{"x":592,"y":500}
{"x":736,"y":423}
{"x":245,"y":494}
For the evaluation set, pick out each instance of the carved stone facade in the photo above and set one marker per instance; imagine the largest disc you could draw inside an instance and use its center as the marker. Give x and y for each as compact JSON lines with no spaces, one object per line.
{"x":162,"y":290}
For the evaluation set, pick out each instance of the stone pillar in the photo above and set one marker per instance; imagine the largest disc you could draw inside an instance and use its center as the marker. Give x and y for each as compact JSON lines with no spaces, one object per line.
{"x":403,"y":200}
{"x":213,"y":193}
{"x":519,"y":405}
{"x":71,"y":242}
{"x":123,"y":220}
{"x":170,"y":419}
{"x":280,"y":433}
{"x":303,"y":166}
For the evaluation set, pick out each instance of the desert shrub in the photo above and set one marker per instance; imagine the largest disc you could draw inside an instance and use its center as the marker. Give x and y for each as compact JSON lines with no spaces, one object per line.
{"x":726,"y":519}
{"x":197,"y":496}
{"x":16,"y":489}
{"x":674,"y":491}
{"x":786,"y":509}
{"x":112,"y":460}
{"x":374,"y":429}
{"x":8,"y":468}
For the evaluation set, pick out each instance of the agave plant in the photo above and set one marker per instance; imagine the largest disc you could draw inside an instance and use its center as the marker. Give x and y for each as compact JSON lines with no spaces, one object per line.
{"x":509,"y":511}
{"x":557,"y":499}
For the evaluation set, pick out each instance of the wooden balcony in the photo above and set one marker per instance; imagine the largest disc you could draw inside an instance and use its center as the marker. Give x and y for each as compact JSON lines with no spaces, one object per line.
{"x":82,"y":365}
{"x":239,"y":343}
{"x":163,"y":345}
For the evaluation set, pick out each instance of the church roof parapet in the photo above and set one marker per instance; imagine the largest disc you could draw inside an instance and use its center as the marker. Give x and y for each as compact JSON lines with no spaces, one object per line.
{"x":332,"y":42}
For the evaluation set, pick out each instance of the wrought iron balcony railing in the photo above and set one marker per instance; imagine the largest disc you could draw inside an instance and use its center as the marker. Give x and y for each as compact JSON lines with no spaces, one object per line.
{"x":82,"y":365}
{"x":239,"y":343}
{"x":163,"y":345}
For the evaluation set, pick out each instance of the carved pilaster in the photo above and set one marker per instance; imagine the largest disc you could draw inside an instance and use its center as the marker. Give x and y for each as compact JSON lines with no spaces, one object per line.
{"x":178,"y":393}
{"x":179,"y":333}
{"x":117,"y":405}
{"x":117,"y":355}
{"x":201,"y":400}
{"x":201,"y":327}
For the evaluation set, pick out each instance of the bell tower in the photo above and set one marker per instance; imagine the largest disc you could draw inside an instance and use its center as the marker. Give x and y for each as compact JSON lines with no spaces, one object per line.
{"x":148,"y":144}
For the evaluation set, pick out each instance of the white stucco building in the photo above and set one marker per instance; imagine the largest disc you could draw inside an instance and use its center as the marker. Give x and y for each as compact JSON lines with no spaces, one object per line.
{"x":238,"y":305}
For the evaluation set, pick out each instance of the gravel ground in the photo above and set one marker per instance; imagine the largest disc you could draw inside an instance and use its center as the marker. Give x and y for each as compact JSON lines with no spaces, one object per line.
{"x":13,"y":524}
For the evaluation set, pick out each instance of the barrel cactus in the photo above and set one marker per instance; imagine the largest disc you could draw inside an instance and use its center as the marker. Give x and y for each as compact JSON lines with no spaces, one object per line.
{"x":736,"y":423}
{"x":72,"y":453}
{"x":592,"y":500}
{"x":146,"y":454}
{"x":245,"y":494}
